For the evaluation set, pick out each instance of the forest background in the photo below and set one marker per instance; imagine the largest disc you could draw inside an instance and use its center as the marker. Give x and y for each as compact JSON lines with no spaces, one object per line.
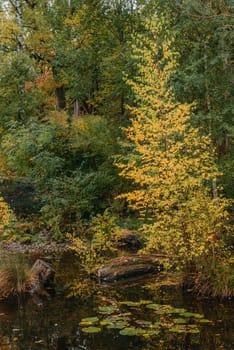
{"x":119,"y":114}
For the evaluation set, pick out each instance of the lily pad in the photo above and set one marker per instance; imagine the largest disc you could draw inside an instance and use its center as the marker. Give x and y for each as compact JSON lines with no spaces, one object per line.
{"x":179,"y":320}
{"x":185,"y":329}
{"x":143,"y":323}
{"x":193,"y":331}
{"x":156,"y":324}
{"x":105,"y":323}
{"x":145,"y":302}
{"x":196,"y":315}
{"x":150,"y":332}
{"x":88,"y":321}
{"x":91,"y":330}
{"x":131,"y":303}
{"x":177,"y":310}
{"x":177,"y":329}
{"x":131,"y":331}
{"x":187,"y":314}
{"x":118,"y":325}
{"x":154,"y":306}
{"x":116,"y":318}
{"x":106,"y":310}
{"x":204,"y":320}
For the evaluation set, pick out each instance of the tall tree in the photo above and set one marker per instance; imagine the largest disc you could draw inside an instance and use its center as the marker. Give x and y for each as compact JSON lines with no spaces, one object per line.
{"x":204,"y":38}
{"x":171,"y":165}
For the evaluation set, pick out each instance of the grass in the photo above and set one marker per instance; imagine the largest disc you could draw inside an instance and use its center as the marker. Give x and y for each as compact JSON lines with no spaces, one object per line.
{"x":16,"y":276}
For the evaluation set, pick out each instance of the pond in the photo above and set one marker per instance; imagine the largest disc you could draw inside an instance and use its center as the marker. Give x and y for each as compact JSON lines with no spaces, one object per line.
{"x":141,"y":315}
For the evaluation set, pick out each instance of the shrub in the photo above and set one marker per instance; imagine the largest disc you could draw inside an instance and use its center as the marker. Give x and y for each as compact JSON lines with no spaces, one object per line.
{"x":99,"y":242}
{"x":6,"y":219}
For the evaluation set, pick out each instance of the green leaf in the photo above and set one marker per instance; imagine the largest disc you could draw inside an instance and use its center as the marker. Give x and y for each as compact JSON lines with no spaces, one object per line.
{"x":204,"y":320}
{"x":118,"y":325}
{"x":106,"y":310}
{"x":131,"y":303}
{"x":193,"y":331}
{"x":154,"y":306}
{"x":179,"y":320}
{"x":91,"y":330}
{"x":88,"y":321}
{"x":131,"y":331}
{"x":177,"y":329}
{"x":187,"y":314}
{"x":177,"y":310}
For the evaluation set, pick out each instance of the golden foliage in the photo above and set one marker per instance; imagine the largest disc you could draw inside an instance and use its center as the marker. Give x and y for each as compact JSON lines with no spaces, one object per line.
{"x":99,"y":242}
{"x":172,"y":166}
{"x":6,"y":216}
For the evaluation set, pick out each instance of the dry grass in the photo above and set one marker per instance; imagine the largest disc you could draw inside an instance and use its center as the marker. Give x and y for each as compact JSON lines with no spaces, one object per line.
{"x":16,"y":277}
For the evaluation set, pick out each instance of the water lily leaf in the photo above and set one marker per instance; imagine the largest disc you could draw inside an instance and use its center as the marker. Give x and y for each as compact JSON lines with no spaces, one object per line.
{"x":110,"y":319}
{"x":150,"y":332}
{"x":161,"y":311}
{"x":187,"y":314}
{"x":192,"y":326}
{"x":196,"y":315}
{"x":179,"y":320}
{"x":105,"y":323}
{"x":154,"y":306}
{"x":89,"y":320}
{"x":116,"y":318}
{"x":185,"y":329}
{"x":118,"y":325}
{"x":177,"y":310}
{"x":145,"y":302}
{"x":131,"y":331}
{"x":91,"y":330}
{"x":177,"y":329}
{"x":131,"y":303}
{"x":83,"y":324}
{"x":107,"y":310}
{"x":204,"y":320}
{"x":156,"y":324}
{"x":193,"y":331}
{"x":143,"y":322}
{"x":126,"y":314}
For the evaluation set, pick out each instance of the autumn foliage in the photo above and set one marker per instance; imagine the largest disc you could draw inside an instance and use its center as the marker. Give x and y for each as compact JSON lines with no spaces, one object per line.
{"x":172,"y":167}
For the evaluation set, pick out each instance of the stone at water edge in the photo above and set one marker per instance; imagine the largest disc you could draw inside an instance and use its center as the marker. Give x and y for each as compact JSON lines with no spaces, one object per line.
{"x":44,"y":275}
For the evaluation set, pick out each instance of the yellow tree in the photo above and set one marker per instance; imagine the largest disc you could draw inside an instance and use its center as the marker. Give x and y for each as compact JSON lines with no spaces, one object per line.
{"x":171,"y":165}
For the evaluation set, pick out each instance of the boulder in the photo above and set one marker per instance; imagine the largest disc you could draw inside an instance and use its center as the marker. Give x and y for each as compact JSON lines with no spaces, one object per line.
{"x":129,"y":267}
{"x":129,"y":240}
{"x":43,"y":276}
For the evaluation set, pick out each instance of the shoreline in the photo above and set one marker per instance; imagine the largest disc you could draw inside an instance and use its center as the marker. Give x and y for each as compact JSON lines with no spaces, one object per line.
{"x":34,"y":248}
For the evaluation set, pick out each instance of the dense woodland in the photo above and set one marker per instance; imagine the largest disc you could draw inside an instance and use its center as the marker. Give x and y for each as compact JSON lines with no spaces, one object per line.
{"x":119,"y":114}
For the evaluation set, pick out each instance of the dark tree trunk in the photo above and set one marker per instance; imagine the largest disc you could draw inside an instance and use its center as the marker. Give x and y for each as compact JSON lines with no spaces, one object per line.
{"x":61,"y":98}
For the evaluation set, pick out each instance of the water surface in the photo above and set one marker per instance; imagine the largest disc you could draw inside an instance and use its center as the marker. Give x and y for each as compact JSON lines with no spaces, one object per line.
{"x":39,"y":323}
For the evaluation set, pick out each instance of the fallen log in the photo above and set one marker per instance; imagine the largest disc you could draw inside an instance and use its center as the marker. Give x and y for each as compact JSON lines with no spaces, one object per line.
{"x":128,"y":267}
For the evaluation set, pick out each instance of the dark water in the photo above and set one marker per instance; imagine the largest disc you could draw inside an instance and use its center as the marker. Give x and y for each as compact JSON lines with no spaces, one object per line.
{"x":46,"y":324}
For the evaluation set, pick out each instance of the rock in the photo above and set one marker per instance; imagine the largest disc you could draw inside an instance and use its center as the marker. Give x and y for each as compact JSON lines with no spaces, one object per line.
{"x":43,"y":276}
{"x":129,"y":240}
{"x":129,"y":267}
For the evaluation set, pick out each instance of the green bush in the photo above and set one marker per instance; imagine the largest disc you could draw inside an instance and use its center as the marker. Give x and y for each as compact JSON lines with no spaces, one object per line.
{"x":68,"y":166}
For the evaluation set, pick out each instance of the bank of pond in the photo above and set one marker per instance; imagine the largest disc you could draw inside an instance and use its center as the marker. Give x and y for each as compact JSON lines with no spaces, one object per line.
{"x":77,"y":312}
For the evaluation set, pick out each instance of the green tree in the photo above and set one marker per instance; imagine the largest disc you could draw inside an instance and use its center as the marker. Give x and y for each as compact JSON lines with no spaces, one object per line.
{"x":203,"y":32}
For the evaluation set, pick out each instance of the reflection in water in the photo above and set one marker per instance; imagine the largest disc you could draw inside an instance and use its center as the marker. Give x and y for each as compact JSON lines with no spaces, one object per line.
{"x":54,"y":324}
